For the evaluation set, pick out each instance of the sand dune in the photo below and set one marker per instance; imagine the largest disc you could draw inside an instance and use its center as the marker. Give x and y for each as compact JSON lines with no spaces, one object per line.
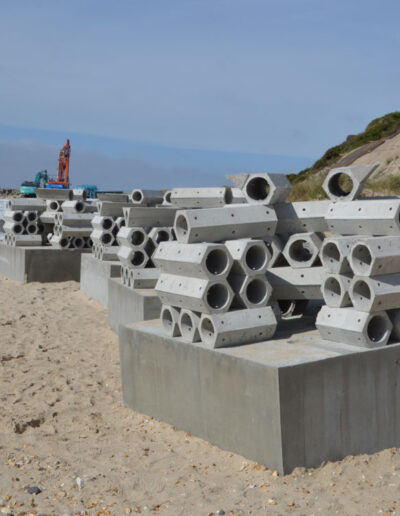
{"x":63,"y":429}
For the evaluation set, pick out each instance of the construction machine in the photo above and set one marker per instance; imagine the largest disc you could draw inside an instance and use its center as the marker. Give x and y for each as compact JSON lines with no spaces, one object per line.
{"x":62,"y":180}
{"x":28,"y":188}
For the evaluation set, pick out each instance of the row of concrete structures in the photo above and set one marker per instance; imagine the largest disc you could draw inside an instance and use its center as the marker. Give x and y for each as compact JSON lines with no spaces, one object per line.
{"x":296,"y":399}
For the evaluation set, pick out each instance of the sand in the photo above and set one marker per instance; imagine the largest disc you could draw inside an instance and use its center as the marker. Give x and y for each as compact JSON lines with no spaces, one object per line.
{"x":64,"y":430}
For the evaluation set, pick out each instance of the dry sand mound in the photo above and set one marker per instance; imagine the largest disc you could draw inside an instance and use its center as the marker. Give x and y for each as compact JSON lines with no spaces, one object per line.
{"x":64,"y":432}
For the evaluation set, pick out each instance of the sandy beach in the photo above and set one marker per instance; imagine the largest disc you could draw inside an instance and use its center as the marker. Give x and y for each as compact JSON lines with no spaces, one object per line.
{"x":69,"y":447}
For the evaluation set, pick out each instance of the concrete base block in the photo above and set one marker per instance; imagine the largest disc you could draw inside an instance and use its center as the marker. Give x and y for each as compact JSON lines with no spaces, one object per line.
{"x":296,"y":400}
{"x":95,"y":275}
{"x":127,"y":305}
{"x":42,"y":264}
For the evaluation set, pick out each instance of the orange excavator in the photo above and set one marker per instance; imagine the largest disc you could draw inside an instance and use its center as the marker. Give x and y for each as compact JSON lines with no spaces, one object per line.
{"x":62,"y":180}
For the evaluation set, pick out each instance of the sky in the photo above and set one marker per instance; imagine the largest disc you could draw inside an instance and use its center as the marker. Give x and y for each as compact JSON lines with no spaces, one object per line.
{"x":156,"y":94}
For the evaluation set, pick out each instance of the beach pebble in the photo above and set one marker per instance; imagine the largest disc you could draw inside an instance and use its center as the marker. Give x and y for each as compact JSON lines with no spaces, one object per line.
{"x":79,"y":482}
{"x":33,"y":490}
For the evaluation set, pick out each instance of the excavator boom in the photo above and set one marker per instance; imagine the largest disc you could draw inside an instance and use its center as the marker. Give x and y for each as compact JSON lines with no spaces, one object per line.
{"x":62,"y":180}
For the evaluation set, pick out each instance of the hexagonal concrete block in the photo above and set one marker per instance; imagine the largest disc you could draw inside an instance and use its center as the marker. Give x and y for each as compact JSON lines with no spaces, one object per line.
{"x":197,"y":294}
{"x":376,"y":293}
{"x":133,"y":258}
{"x":346,"y":183}
{"x":196,"y":260}
{"x":334,"y":254}
{"x":335,"y":290}
{"x":249,"y":256}
{"x":375,"y":256}
{"x":132,"y":237}
{"x":349,"y":326}
{"x":266,"y":188}
{"x":162,"y":234}
{"x":250,"y":291}
{"x":302,"y":249}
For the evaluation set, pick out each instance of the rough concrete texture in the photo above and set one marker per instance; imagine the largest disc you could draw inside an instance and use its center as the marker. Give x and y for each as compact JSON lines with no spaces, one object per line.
{"x":375,"y":256}
{"x":43,"y":264}
{"x":95,"y":275}
{"x":126,"y":305}
{"x":299,"y":217}
{"x":280,"y":402}
{"x":356,"y":175}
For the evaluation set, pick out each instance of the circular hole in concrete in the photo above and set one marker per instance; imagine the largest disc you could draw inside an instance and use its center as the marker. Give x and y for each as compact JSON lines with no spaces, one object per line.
{"x":31,"y":229}
{"x":361,"y":259}
{"x":167,"y":318}
{"x":181,"y":226}
{"x":340,"y":185}
{"x":78,"y":242}
{"x":107,"y":223}
{"x":377,"y":329}
{"x":217,"y":296}
{"x":256,"y":257}
{"x":330,"y":253}
{"x":64,"y":242}
{"x":18,"y":229}
{"x":186,"y":325}
{"x":106,"y":238}
{"x":137,"y":195}
{"x":31,"y":216}
{"x":258,"y":188}
{"x":162,"y":236}
{"x":207,"y":330}
{"x":300,"y":250}
{"x":137,"y":237}
{"x":137,"y":258}
{"x":228,"y":197}
{"x":256,"y":291}
{"x":54,"y":205}
{"x":79,"y":206}
{"x":362,"y":294}
{"x":167,"y":197}
{"x":217,"y":261}
{"x":332,"y":290}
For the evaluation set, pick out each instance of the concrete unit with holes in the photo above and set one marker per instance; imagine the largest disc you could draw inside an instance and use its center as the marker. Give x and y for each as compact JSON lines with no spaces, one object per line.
{"x":42,"y":264}
{"x":127,"y":305}
{"x":95,"y":275}
{"x":296,"y":400}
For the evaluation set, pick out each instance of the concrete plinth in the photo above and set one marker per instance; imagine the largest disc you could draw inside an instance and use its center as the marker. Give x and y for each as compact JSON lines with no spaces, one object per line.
{"x":293,"y":401}
{"x":42,"y":264}
{"x":95,"y":275}
{"x":127,"y":305}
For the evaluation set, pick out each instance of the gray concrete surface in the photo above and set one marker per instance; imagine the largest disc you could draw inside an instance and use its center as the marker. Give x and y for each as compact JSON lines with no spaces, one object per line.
{"x":293,"y":401}
{"x":127,"y":305}
{"x":95,"y":275}
{"x":42,"y":264}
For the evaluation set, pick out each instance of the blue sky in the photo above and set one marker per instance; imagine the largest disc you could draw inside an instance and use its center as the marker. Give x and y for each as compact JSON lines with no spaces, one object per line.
{"x":167,"y":93}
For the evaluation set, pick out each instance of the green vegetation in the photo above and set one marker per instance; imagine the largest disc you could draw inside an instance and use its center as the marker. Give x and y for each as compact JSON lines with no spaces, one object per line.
{"x":382,"y":127}
{"x":387,"y":185}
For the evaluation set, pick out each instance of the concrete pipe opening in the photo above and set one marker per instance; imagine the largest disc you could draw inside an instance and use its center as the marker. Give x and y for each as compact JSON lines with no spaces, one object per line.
{"x":187,"y":325}
{"x":330,"y":253}
{"x":256,"y":257}
{"x":31,"y":229}
{"x":106,"y":238}
{"x":79,"y":206}
{"x":18,"y":229}
{"x":181,"y":226}
{"x":167,"y":319}
{"x":361,"y":259}
{"x":217,"y":296}
{"x":137,"y":196}
{"x":162,"y":236}
{"x":31,"y":216}
{"x":64,"y":242}
{"x":207,"y":330}
{"x":332,"y":290}
{"x":300,"y":251}
{"x":340,"y":185}
{"x":137,"y":258}
{"x":18,"y":216}
{"x":78,"y":242}
{"x":256,"y":291}
{"x":167,"y":197}
{"x":137,"y":237}
{"x":258,"y":188}
{"x":54,"y":205}
{"x":217,"y":261}
{"x":362,"y":293}
{"x":377,"y":329}
{"x":107,"y":224}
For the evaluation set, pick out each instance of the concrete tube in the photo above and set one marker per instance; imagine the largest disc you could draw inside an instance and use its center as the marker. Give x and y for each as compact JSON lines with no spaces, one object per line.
{"x":170,"y":321}
{"x":189,"y":325}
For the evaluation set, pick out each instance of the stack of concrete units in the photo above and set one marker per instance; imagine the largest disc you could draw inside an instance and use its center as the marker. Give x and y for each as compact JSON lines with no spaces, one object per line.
{"x":72,"y":225}
{"x":213,"y":282}
{"x":145,"y":228}
{"x":361,"y":265}
{"x":22,"y":224}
